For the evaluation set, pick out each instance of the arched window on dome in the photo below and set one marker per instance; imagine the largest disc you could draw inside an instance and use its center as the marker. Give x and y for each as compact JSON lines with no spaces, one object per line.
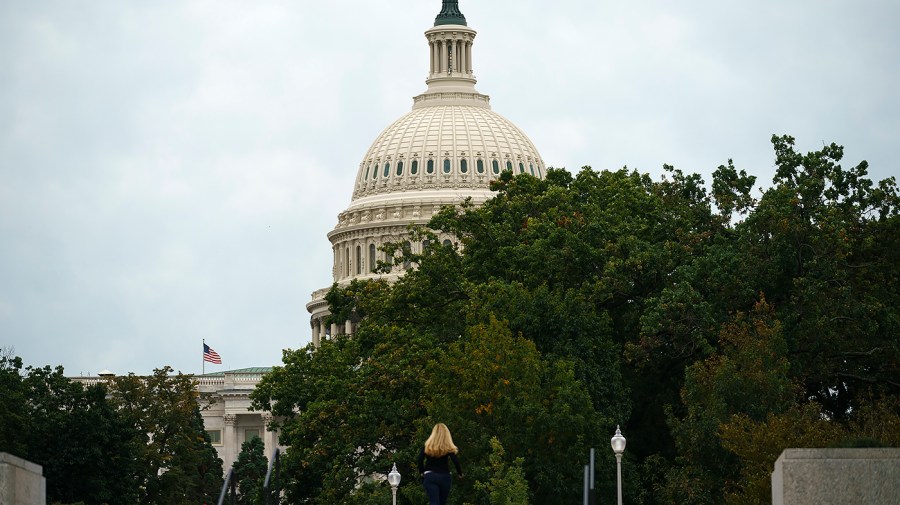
{"x":446,"y":165}
{"x":387,"y":169}
{"x":368,"y":168}
{"x":463,"y":165}
{"x":540,"y":174}
{"x":479,"y":165}
{"x":509,"y":165}
{"x":358,"y":260}
{"x":400,"y":168}
{"x":521,"y":168}
{"x":372,"y":258}
{"x":447,"y":243}
{"x":531,"y":165}
{"x":375,"y":172}
{"x":414,"y":168}
{"x":425,"y":244}
{"x":430,"y":167}
{"x":495,"y":166}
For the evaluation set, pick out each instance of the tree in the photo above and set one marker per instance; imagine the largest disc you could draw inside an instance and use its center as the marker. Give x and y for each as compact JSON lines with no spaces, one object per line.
{"x":490,"y":385}
{"x":584,"y":301}
{"x":13,"y":404}
{"x":71,"y":431}
{"x":507,"y":485}
{"x":749,"y":377}
{"x":250,"y":472}
{"x":176,"y":463}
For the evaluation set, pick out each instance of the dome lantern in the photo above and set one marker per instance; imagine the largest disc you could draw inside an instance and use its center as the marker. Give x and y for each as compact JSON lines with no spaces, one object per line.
{"x":450,"y":48}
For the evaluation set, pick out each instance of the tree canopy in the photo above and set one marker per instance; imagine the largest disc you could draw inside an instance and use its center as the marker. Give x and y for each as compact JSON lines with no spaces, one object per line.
{"x":130,"y":440}
{"x":696,"y":318}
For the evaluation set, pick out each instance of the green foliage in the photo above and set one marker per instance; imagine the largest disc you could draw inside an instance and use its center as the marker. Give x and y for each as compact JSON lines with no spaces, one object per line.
{"x":133,"y":440}
{"x":250,"y":472}
{"x":489,"y":385}
{"x":175,"y":460}
{"x":507,"y":485}
{"x":13,"y":405}
{"x":696,"y":319}
{"x":71,"y":431}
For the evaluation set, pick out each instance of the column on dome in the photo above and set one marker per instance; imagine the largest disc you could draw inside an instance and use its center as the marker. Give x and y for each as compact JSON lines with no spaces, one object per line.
{"x":464,"y":50}
{"x":334,"y":330}
{"x":337,"y":259}
{"x":469,"y":57}
{"x":435,"y":56}
{"x":444,"y":56}
{"x":348,"y":327}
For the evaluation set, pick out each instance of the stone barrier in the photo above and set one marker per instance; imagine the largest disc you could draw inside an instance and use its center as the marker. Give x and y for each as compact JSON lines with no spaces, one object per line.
{"x":21,"y":482}
{"x":837,"y":477}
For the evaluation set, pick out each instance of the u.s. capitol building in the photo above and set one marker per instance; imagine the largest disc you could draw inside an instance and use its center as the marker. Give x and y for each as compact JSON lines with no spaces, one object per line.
{"x":447,"y":149}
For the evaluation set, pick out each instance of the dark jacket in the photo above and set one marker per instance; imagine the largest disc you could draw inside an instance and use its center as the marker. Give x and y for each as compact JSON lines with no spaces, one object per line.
{"x":438,"y":465}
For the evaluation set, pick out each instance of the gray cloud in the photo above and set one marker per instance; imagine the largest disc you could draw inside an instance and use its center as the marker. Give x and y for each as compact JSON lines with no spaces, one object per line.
{"x":169,"y":170}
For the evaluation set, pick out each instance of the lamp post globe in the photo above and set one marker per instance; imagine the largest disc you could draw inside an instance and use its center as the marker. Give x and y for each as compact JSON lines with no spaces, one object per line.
{"x":617,"y":442}
{"x":394,"y":481}
{"x":618,"y":446}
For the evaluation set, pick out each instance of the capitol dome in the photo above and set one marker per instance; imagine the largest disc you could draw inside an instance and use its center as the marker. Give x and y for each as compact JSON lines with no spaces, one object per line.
{"x":445,"y":151}
{"x":444,"y":146}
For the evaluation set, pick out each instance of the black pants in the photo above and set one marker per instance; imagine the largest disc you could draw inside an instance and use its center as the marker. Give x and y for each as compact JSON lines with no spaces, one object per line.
{"x":437,"y":486}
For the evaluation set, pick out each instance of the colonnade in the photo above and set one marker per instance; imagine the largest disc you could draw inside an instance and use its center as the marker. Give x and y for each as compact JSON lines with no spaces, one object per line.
{"x":231,"y":441}
{"x":321,"y":330}
{"x":451,"y":52}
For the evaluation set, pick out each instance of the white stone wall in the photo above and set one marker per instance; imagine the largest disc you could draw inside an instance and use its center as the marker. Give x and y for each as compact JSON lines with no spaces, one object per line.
{"x":21,"y":482}
{"x":837,"y":477}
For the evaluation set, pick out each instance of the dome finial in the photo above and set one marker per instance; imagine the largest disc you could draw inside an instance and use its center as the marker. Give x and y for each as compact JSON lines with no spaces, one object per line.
{"x":450,"y":14}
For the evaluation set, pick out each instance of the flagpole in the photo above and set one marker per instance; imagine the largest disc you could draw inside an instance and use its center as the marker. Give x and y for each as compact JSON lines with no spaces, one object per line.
{"x":203,"y":361}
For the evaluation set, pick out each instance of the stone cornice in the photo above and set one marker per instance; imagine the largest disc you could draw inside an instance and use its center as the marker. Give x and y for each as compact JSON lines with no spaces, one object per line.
{"x":450,"y":98}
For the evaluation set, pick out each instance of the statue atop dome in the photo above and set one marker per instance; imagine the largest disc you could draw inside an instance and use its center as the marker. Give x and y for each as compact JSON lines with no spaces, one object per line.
{"x":450,"y":14}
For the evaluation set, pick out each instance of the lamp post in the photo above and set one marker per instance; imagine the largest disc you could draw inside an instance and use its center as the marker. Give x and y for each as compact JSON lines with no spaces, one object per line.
{"x":394,"y":481}
{"x":618,"y":446}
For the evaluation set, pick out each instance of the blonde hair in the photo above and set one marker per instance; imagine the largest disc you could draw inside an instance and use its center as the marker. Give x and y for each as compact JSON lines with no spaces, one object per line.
{"x":440,"y":443}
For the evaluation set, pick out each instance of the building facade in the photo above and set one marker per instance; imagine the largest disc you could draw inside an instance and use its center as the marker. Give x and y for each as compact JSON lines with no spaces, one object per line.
{"x":224,"y":399}
{"x":225,"y":408}
{"x":446,"y":150}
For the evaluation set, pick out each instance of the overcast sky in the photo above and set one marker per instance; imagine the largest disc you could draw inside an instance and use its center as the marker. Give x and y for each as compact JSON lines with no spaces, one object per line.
{"x":169,"y":169}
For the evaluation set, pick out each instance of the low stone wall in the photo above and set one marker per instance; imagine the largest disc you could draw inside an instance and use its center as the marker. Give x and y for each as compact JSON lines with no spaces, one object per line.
{"x":21,"y":482}
{"x":837,"y":476}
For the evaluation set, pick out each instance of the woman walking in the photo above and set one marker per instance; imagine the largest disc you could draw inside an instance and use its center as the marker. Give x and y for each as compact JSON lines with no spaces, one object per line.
{"x":434,"y":464}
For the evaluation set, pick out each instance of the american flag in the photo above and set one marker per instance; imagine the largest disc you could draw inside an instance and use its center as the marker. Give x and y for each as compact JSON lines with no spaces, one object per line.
{"x":211,"y":356}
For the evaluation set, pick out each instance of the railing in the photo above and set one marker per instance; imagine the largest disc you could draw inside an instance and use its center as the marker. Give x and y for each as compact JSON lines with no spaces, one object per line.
{"x":272,"y":487}
{"x":220,"y":380}
{"x":229,"y":488}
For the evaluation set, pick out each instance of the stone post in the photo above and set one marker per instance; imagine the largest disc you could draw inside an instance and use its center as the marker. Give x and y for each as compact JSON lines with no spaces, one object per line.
{"x":837,"y":477}
{"x":21,"y":482}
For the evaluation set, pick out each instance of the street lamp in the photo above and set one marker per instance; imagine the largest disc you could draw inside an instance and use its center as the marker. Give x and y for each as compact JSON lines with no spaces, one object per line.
{"x":394,"y":481}
{"x":618,"y":446}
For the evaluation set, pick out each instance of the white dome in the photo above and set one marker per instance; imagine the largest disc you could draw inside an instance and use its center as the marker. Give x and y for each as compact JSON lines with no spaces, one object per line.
{"x":446,"y":150}
{"x":444,"y":146}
